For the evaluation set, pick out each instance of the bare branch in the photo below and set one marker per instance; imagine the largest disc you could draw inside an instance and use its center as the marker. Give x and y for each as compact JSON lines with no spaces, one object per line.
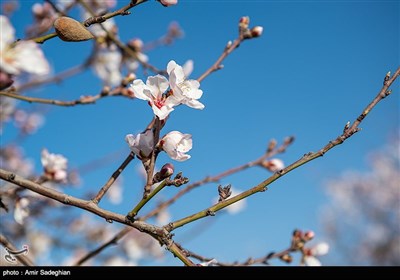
{"x":113,"y":177}
{"x":305,"y":159}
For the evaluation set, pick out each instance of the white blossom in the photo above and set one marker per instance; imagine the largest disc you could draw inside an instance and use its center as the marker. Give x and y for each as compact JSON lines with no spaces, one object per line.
{"x":24,"y":56}
{"x":176,"y":145}
{"x":162,"y":100}
{"x":21,"y":210}
{"x":153,"y":91}
{"x":106,"y":65}
{"x":318,"y":250}
{"x":55,"y":165}
{"x":141,"y":144}
{"x":186,"y":91}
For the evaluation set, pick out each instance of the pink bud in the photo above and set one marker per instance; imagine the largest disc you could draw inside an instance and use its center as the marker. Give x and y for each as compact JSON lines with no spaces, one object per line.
{"x":167,"y":3}
{"x":167,"y":170}
{"x":308,"y":235}
{"x":244,"y":21}
{"x":256,"y":31}
{"x":5,"y":80}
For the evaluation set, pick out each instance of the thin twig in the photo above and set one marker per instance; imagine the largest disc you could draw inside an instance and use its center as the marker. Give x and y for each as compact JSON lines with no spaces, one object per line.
{"x":348,"y":132}
{"x":217,"y":65}
{"x":112,"y":179}
{"x":216,"y":178}
{"x":84,"y":100}
{"x":97,"y":251}
{"x":56,"y":78}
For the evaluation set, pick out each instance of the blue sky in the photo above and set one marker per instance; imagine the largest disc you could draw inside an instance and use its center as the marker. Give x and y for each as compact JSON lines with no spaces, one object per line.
{"x":316,"y":66}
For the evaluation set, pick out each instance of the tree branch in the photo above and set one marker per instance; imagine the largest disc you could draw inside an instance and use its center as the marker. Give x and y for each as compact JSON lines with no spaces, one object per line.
{"x":348,"y":132}
{"x":113,"y":177}
{"x":157,"y":233}
{"x":84,"y":100}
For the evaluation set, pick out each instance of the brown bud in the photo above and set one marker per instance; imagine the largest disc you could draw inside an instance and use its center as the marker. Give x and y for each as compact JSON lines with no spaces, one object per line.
{"x":71,"y":30}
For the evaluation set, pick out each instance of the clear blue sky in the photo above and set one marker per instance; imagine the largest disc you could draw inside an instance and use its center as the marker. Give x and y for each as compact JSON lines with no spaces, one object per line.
{"x":316,"y":66}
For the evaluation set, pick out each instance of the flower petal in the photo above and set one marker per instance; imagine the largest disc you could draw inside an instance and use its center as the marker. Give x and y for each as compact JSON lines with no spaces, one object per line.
{"x":141,"y":90}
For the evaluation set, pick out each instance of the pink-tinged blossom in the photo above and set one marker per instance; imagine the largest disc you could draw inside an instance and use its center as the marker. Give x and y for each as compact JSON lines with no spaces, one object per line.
{"x":167,"y":3}
{"x":21,"y":211}
{"x":154,"y":92}
{"x":55,"y":165}
{"x":309,"y":259}
{"x":176,"y":145}
{"x":273,"y":165}
{"x":25,"y":56}
{"x":141,"y":144}
{"x":162,"y":100}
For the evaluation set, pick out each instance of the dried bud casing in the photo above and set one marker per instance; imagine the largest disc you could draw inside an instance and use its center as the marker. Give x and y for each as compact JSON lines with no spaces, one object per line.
{"x":71,"y":30}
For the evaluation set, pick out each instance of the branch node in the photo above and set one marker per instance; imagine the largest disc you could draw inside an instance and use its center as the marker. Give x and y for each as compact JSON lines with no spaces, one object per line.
{"x":210,"y":213}
{"x":11,"y":177}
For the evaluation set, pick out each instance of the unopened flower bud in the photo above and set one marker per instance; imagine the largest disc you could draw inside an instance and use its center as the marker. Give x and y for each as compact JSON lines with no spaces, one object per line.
{"x":256,"y":31}
{"x":273,"y":165}
{"x":167,"y":3}
{"x":5,"y":80}
{"x":308,"y":235}
{"x":167,"y":170}
{"x":136,"y":44}
{"x":71,"y":30}
{"x":271,"y":145}
{"x":286,"y":258}
{"x":128,"y":79}
{"x":244,"y":22}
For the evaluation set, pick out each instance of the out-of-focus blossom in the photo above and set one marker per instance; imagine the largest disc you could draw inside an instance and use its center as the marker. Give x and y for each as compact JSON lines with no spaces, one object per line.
{"x":181,"y":91}
{"x":39,"y":243}
{"x":187,"y":67}
{"x":21,"y":210}
{"x":141,"y":144}
{"x":163,"y":217}
{"x":309,"y":258}
{"x":186,"y":91}
{"x":237,"y":206}
{"x":107,"y":63}
{"x":273,"y":165}
{"x":114,"y":194}
{"x":28,"y":123}
{"x":167,"y":3}
{"x":55,"y":165}
{"x":132,"y":63}
{"x":24,"y":56}
{"x":7,"y":106}
{"x":119,"y":261}
{"x":133,"y":250}
{"x":371,"y":197}
{"x":12,"y":159}
{"x":44,"y":16}
{"x":176,"y":145}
